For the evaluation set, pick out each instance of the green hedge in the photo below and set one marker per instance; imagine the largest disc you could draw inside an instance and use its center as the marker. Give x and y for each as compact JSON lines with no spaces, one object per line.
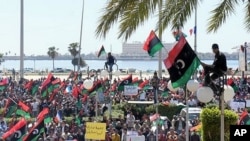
{"x":164,"y":110}
{"x":210,"y":118}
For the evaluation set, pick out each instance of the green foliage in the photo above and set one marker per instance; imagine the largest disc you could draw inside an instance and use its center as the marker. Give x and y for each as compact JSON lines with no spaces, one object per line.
{"x":168,"y":111}
{"x":115,"y":113}
{"x":210,"y":118}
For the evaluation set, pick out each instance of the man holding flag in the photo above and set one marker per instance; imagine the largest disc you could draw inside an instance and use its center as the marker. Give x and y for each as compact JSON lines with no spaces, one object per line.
{"x":217,"y":69}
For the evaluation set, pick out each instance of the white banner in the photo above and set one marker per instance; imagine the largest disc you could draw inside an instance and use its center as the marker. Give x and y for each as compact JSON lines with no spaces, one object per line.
{"x":237,"y":105}
{"x":130,"y":90}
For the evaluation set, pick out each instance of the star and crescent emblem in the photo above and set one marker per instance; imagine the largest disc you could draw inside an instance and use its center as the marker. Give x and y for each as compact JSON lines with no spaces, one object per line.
{"x":125,"y":82}
{"x":18,"y":134}
{"x":180,"y":64}
{"x":35,"y":131}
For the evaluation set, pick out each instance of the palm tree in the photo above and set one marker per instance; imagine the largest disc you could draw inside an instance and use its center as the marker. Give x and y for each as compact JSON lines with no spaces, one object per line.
{"x":74,"y":50}
{"x":130,"y":14}
{"x":1,"y":58}
{"x":52,"y":52}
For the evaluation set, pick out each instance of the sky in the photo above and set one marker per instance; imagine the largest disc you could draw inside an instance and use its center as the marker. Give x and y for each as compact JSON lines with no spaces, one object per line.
{"x":57,"y":23}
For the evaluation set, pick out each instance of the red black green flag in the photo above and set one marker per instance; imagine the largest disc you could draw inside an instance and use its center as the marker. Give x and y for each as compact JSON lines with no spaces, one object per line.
{"x":101,"y":51}
{"x":126,"y":81}
{"x":152,"y":44}
{"x":181,"y":63}
{"x":35,"y":132}
{"x":18,"y":130}
{"x":244,"y":118}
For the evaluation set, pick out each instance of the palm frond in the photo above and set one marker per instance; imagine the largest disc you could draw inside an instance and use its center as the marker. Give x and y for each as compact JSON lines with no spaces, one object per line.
{"x":112,"y":11}
{"x":220,"y":14}
{"x":247,"y":17}
{"x":176,"y":13}
{"x":135,"y":15}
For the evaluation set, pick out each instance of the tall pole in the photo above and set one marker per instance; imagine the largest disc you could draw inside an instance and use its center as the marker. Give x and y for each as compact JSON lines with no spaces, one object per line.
{"x":245,"y":55}
{"x":80,"y":43}
{"x":195,"y":34}
{"x":21,"y":42}
{"x":160,"y":36}
{"x":222,"y":122}
{"x":187,"y":115}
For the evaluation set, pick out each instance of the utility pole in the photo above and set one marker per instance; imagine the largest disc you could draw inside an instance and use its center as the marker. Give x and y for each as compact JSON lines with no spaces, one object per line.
{"x":21,"y":41}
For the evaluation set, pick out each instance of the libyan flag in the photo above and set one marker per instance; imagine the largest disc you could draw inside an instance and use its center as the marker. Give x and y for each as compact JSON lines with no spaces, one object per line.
{"x":18,"y":130}
{"x":181,"y":63}
{"x":101,"y":51}
{"x":125,"y":81}
{"x":152,"y":44}
{"x":244,"y":118}
{"x":35,"y":131}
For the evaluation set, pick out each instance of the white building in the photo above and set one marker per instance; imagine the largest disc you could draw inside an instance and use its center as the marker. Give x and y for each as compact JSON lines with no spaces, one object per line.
{"x":136,"y":49}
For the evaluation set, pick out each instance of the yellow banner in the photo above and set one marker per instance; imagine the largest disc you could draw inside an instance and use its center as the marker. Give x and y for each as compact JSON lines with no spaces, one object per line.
{"x":95,"y":131}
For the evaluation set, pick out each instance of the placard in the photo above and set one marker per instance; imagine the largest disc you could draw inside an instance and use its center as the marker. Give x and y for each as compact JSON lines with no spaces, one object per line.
{"x":130,"y":90}
{"x":95,"y":131}
{"x":247,"y":103}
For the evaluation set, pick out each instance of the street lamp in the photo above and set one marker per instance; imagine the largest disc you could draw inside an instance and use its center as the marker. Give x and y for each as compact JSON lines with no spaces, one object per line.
{"x":105,"y":73}
{"x":192,"y":86}
{"x":155,"y":83}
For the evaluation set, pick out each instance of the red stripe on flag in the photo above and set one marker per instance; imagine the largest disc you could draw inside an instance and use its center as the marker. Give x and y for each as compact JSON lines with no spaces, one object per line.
{"x":174,"y":52}
{"x":16,"y":127}
{"x":150,"y":37}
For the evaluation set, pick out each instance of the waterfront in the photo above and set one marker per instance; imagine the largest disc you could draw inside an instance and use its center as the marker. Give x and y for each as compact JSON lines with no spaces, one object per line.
{"x":93,"y":64}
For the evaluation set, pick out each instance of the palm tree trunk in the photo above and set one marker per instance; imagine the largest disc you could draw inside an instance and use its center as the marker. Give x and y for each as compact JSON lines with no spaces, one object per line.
{"x":74,"y":64}
{"x":53,"y":64}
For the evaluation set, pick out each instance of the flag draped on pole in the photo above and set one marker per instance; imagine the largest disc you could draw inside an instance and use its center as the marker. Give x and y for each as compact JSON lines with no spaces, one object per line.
{"x":152,"y":44}
{"x":181,"y":63}
{"x":101,"y":51}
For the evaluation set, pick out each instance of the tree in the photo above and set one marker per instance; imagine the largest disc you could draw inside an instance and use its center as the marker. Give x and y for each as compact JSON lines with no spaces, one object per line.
{"x":74,"y":51}
{"x":1,"y":58}
{"x":52,"y":52}
{"x":130,"y":14}
{"x":76,"y":60}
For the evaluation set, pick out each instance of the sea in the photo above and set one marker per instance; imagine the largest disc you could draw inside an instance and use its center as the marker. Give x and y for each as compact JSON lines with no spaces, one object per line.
{"x":143,"y":65}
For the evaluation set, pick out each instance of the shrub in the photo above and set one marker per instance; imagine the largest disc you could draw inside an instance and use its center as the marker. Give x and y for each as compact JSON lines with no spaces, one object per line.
{"x":164,"y":110}
{"x":210,"y":118}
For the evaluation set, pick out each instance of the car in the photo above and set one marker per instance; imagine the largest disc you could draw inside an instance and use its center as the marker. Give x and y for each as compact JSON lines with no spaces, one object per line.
{"x":193,"y":113}
{"x":28,"y":70}
{"x":58,"y":70}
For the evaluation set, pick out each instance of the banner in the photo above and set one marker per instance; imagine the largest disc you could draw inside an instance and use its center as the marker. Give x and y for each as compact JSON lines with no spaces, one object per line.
{"x":95,"y":131}
{"x":130,"y":90}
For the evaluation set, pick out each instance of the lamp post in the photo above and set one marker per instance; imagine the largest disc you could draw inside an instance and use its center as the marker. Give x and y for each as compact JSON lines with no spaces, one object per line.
{"x":192,"y":86}
{"x":155,"y":84}
{"x":104,"y":73}
{"x":80,"y":43}
{"x":21,"y":41}
{"x":88,"y":84}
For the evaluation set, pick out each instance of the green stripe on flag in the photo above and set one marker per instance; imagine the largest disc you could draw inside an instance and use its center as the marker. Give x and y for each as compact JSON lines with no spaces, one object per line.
{"x":155,"y":49}
{"x":47,"y":120}
{"x":22,"y":113}
{"x":189,"y":72}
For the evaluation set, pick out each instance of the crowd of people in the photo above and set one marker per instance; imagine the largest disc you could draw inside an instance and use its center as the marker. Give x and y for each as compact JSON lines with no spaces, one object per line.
{"x":69,"y":111}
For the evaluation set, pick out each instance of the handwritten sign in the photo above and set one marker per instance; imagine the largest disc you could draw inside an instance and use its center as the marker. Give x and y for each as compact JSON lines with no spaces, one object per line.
{"x":95,"y":131}
{"x":130,"y":90}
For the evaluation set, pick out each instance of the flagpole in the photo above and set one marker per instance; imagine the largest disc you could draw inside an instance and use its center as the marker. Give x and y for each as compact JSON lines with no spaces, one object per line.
{"x":80,"y":43}
{"x":12,"y":100}
{"x":21,"y":42}
{"x":195,"y":34}
{"x":160,"y":37}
